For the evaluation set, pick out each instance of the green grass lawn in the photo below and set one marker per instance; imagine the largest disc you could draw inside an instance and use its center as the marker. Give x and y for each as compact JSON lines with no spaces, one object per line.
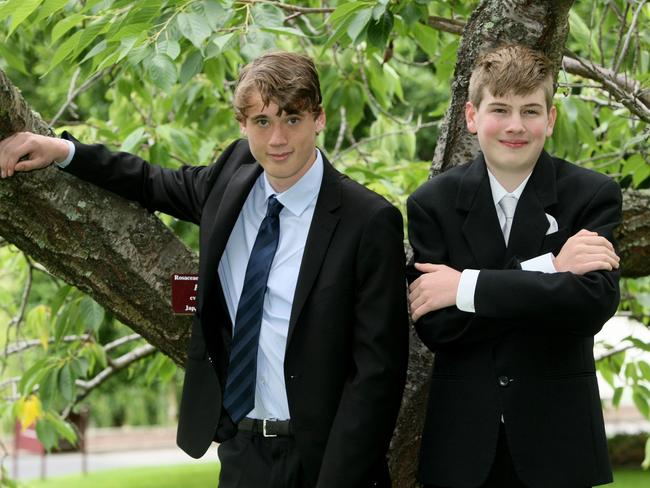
{"x":631,"y":478}
{"x":201,"y":475}
{"x":206,"y":476}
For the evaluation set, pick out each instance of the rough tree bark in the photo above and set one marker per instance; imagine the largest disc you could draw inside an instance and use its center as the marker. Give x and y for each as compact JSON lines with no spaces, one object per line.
{"x":124,"y":257}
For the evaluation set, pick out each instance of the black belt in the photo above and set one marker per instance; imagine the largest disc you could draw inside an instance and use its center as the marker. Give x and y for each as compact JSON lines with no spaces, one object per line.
{"x":266,"y":427}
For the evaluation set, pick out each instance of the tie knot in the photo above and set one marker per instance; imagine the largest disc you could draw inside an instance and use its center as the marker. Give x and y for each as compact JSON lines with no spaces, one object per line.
{"x":273,"y":207}
{"x":508,"y":204}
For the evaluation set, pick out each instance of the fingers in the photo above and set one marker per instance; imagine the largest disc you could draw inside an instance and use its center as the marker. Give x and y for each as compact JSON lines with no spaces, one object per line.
{"x":428,"y":267}
{"x":11,"y":150}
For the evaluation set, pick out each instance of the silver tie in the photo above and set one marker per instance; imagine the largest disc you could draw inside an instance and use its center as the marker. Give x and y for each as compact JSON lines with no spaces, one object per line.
{"x":508,"y":204}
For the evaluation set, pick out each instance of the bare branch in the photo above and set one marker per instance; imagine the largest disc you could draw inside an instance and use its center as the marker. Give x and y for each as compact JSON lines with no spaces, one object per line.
{"x":295,"y":8}
{"x":452,"y":26}
{"x":628,"y":36}
{"x":75,"y":92}
{"x":121,"y":341}
{"x":21,"y":346}
{"x":356,"y":144}
{"x":341,"y":134}
{"x":613,"y":352}
{"x":117,"y":365}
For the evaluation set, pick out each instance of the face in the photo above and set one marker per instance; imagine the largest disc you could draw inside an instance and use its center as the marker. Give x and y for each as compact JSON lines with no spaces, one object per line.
{"x":285,"y":144}
{"x":511,"y":130}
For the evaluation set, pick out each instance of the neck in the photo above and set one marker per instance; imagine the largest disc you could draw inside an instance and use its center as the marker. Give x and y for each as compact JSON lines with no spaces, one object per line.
{"x":509,"y":181}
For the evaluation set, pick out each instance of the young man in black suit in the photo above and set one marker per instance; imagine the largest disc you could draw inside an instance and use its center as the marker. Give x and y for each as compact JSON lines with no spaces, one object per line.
{"x":297,"y":359}
{"x":516,"y":271}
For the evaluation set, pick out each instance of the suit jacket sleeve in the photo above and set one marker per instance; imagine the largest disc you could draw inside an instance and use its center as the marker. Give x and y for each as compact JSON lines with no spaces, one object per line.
{"x":180,"y":193}
{"x":578,"y":304}
{"x":448,"y":326}
{"x":371,"y":397}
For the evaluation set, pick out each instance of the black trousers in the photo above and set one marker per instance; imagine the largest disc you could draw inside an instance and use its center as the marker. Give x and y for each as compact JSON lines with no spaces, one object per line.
{"x":252,"y":461}
{"x":502,"y":474}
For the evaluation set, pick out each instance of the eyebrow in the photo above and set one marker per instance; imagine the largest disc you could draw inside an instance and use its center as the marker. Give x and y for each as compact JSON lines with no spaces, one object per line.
{"x":527,"y":105}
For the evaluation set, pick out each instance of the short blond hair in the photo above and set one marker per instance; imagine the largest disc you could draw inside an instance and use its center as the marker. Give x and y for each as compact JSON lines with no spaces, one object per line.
{"x":288,"y":79}
{"x":511,"y":69}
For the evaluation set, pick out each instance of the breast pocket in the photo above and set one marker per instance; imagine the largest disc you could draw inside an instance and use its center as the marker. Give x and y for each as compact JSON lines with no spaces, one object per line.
{"x":554,"y":242}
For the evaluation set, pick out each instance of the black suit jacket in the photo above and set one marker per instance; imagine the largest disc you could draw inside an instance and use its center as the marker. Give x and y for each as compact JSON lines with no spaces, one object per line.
{"x":527,"y":351}
{"x":347,"y":345}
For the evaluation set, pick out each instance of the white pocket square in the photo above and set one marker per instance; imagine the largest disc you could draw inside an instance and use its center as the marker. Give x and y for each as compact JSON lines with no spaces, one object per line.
{"x":552,"y":224}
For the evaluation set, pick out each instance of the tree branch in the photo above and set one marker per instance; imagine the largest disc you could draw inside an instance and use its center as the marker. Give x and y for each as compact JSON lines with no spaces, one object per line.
{"x":21,"y":346}
{"x":116,"y":365}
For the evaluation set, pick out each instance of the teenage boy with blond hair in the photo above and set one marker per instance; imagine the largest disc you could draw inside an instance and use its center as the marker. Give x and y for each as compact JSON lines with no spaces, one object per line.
{"x":297,"y":359}
{"x":516,"y":271}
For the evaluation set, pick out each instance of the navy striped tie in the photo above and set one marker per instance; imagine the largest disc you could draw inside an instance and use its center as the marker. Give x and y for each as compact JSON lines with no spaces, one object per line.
{"x":239,"y":396}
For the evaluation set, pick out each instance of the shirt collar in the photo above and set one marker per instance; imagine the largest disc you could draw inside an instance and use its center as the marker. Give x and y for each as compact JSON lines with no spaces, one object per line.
{"x":304,"y":191}
{"x":498,"y":191}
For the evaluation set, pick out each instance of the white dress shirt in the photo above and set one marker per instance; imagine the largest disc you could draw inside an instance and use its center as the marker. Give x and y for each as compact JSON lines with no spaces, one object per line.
{"x":469,"y":277}
{"x":295,"y":219}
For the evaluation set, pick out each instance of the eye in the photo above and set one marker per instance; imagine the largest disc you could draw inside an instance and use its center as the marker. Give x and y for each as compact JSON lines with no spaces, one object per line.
{"x":531,"y":111}
{"x":293,"y":120}
{"x":499,"y":110}
{"x":262,"y":122}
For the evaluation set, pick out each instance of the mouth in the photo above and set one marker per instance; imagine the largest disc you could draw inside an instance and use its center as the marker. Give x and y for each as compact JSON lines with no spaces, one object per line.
{"x":514,"y":144}
{"x":280,"y":156}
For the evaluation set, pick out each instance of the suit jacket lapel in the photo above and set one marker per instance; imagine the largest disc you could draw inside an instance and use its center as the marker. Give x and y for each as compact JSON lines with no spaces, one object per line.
{"x":320,"y":233}
{"x":481,"y":228}
{"x":530,"y":224}
{"x":234,"y":195}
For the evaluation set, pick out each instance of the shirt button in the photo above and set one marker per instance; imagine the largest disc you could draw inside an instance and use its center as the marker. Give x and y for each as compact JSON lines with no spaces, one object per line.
{"x":504,"y":381}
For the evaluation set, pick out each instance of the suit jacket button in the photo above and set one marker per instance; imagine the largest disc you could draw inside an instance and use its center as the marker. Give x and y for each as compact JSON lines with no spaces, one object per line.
{"x":504,"y":381}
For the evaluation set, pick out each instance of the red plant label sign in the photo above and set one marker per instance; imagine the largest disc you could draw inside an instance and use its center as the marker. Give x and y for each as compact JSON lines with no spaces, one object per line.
{"x":184,"y":288}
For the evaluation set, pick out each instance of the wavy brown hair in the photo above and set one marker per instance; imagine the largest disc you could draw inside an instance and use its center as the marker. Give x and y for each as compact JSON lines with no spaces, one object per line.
{"x":288,"y":79}
{"x":511,"y":69}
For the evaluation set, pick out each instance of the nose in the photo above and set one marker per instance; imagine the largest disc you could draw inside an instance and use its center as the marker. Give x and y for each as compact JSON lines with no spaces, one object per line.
{"x":278,"y":136}
{"x":515,"y":124}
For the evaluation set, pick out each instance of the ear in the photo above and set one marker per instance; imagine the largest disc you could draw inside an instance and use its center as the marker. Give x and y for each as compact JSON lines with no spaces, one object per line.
{"x":320,"y":122}
{"x":552,"y":116}
{"x":470,"y":117}
{"x":242,"y":128}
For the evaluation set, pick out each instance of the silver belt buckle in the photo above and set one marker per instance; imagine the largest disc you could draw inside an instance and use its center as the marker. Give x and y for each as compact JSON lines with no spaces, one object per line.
{"x":264,"y":429}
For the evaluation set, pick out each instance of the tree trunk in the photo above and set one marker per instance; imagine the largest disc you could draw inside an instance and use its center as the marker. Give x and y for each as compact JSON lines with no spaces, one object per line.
{"x":124,"y":257}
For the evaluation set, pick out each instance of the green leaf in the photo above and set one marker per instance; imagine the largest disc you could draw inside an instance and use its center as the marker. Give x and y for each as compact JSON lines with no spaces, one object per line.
{"x":48,"y":388}
{"x":14,"y":61}
{"x":358,"y":23}
{"x":89,"y":34}
{"x":46,"y":434}
{"x":284,"y":30}
{"x":32,"y":376}
{"x":618,"y":394}
{"x":23,"y":10}
{"x":379,"y":30}
{"x":66,"y":383}
{"x":194,"y":27}
{"x":62,"y":428}
{"x":65,"y":25}
{"x":191,"y":66}
{"x":38,"y":320}
{"x":48,"y":8}
{"x":426,"y":38}
{"x":92,"y":314}
{"x":267,"y":16}
{"x":59,"y":298}
{"x":645,"y":370}
{"x":64,"y":51}
{"x":169,"y":47}
{"x":343,"y":11}
{"x":162,"y":71}
{"x":223,"y":41}
{"x":97,"y":48}
{"x":641,"y":403}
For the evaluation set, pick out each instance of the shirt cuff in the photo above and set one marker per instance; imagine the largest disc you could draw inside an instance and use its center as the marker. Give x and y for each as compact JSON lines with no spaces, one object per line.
{"x":543,"y":263}
{"x":66,"y":161}
{"x":466,"y":289}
